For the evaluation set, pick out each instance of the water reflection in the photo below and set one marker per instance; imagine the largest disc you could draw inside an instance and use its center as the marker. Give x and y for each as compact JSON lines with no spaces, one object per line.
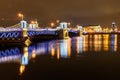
{"x":24,"y":60}
{"x":79,"y":44}
{"x":85,"y":43}
{"x":59,"y":49}
{"x":25,"y":56}
{"x":65,"y":48}
{"x":97,"y":42}
{"x":114,"y":43}
{"x":8,"y":55}
{"x":106,"y":42}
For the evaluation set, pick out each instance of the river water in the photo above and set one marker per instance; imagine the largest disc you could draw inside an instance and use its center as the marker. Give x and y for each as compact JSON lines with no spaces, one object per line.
{"x":85,"y":57}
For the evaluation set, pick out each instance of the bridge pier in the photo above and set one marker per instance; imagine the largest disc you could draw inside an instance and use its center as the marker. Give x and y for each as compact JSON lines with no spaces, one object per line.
{"x":80,"y":31}
{"x":14,"y":35}
{"x":11,"y":36}
{"x":63,"y":32}
{"x":25,"y":37}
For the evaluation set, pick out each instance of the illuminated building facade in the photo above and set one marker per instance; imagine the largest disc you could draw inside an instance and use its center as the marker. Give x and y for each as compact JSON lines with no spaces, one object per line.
{"x":92,"y":28}
{"x":114,"y":27}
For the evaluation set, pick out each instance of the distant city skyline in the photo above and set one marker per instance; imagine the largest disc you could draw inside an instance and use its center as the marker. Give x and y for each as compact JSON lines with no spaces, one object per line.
{"x":82,"y":12}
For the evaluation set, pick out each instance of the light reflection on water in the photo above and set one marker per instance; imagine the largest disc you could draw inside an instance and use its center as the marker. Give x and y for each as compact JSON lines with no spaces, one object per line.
{"x":60,"y":49}
{"x":64,"y":48}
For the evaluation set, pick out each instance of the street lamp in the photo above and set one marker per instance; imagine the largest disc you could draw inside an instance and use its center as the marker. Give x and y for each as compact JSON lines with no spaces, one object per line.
{"x":21,"y":16}
{"x":57,"y":21}
{"x":32,"y":22}
{"x":52,"y":24}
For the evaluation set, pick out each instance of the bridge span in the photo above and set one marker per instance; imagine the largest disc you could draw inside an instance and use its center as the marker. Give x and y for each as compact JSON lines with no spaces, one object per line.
{"x":23,"y":31}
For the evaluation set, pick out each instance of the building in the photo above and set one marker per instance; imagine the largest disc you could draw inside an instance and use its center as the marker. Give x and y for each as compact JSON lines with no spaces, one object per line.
{"x":114,"y":27}
{"x":92,"y":28}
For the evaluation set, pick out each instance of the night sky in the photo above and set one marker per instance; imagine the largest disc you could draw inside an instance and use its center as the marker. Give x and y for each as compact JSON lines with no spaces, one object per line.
{"x":83,"y":12}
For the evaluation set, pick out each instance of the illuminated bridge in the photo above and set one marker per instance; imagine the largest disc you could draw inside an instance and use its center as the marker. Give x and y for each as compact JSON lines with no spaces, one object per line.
{"x":19,"y":34}
{"x":23,"y":31}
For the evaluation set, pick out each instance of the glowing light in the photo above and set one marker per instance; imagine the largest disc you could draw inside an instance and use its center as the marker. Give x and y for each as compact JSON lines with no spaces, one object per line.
{"x":58,"y":52}
{"x":28,"y":42}
{"x":79,"y":44}
{"x":25,"y":56}
{"x":57,"y":21}
{"x":24,"y":60}
{"x":69,"y":23}
{"x":97,"y":42}
{"x":106,"y":42}
{"x":69,"y":48}
{"x":22,"y":69}
{"x":52,"y":51}
{"x":25,"y":33}
{"x":25,"y":51}
{"x":115,"y":43}
{"x":33,"y":22}
{"x":85,"y":43}
{"x":63,"y":49}
{"x":33,"y":54}
{"x":65,"y":34}
{"x":90,"y":42}
{"x":21,"y":15}
{"x":52,"y":24}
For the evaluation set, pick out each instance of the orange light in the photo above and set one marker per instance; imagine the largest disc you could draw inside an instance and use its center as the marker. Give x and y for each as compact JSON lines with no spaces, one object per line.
{"x":52,"y":52}
{"x":32,"y":22}
{"x":57,"y":21}
{"x":34,"y":54}
{"x":69,"y":23}
{"x":20,"y":15}
{"x":22,"y":69}
{"x":52,"y":24}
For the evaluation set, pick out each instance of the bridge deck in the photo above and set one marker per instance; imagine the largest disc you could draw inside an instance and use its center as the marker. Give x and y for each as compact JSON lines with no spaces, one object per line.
{"x":88,"y":33}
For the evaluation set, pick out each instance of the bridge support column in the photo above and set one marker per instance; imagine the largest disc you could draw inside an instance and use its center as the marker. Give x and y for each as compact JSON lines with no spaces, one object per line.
{"x":80,"y":31}
{"x":25,"y":37}
{"x":24,"y":33}
{"x":63,"y":32}
{"x":23,"y":25}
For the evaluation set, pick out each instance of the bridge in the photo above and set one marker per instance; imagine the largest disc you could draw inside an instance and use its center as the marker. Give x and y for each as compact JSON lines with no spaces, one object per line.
{"x":23,"y":31}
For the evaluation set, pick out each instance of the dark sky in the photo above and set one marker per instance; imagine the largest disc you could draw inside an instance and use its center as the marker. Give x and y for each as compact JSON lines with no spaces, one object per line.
{"x":84,"y":12}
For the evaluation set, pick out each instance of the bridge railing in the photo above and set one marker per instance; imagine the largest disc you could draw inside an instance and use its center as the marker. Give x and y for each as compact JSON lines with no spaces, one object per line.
{"x":36,"y":32}
{"x":10,"y":29}
{"x":11,"y":34}
{"x":6,"y":33}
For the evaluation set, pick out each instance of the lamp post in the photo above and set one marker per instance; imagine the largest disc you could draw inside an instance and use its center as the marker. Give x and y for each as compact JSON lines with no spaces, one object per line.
{"x":57,"y":21}
{"x":20,"y":15}
{"x":52,"y":24}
